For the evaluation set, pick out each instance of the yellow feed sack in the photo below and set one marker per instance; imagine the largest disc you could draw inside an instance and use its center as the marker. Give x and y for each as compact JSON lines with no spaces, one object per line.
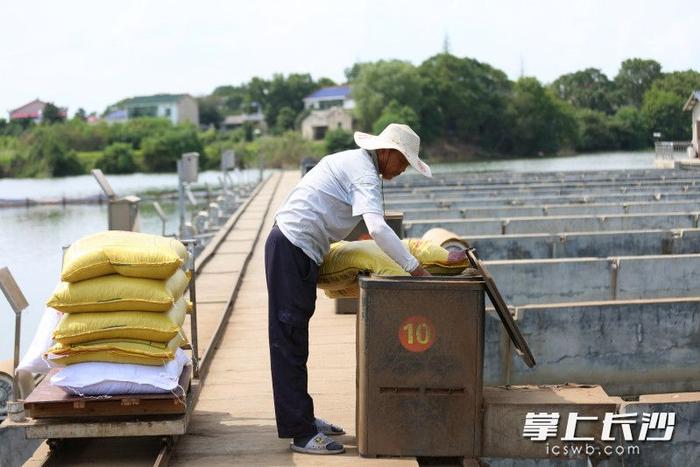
{"x":130,"y":254}
{"x":433,"y":257}
{"x":116,"y":351}
{"x":76,"y":328}
{"x":119,"y":293}
{"x":346,"y":260}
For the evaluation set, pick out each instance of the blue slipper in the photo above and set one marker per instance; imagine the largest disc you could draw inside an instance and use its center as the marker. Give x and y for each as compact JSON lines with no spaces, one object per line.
{"x":328,"y":428}
{"x":318,"y":444}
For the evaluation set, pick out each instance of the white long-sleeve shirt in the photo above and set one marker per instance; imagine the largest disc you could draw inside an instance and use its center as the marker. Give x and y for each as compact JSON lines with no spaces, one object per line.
{"x":389,"y":242}
{"x":329,"y":202}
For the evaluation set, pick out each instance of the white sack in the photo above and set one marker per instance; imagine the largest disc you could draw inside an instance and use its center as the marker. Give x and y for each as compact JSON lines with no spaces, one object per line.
{"x":104,"y":378}
{"x":32,"y":361}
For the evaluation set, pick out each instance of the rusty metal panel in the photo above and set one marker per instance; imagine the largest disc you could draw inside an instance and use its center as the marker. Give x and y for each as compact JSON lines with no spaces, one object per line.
{"x":346,"y":306}
{"x":12,"y":291}
{"x":394,"y":219}
{"x":420,"y":360}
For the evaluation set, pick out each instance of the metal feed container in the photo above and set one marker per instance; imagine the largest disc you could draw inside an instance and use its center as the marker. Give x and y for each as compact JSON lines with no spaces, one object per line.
{"x":393,"y":219}
{"x":347,"y":306}
{"x":420,"y":350}
{"x":420,"y":346}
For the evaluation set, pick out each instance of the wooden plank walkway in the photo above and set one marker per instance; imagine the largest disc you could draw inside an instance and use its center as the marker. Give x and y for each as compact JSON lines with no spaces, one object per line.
{"x":233,"y":422}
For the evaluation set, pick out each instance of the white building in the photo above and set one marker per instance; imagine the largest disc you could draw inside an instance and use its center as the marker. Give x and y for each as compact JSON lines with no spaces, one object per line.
{"x":332,"y":96}
{"x":693,"y":105}
{"x":319,"y":122}
{"x":330,"y":108}
{"x":179,"y":108}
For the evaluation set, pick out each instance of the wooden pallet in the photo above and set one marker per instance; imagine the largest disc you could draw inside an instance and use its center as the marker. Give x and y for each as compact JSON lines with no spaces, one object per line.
{"x":49,"y":401}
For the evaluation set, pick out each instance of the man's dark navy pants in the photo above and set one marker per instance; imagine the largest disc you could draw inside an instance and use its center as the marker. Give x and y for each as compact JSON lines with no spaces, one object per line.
{"x":291,"y":289}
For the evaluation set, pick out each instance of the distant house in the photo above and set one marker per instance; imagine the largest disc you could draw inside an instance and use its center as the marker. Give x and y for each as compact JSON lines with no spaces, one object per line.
{"x":332,"y":96}
{"x":330,"y":108}
{"x":256,"y":120}
{"x":693,"y":105}
{"x":318,"y":122}
{"x":118,"y":116}
{"x":179,"y":108}
{"x":34,"y":111}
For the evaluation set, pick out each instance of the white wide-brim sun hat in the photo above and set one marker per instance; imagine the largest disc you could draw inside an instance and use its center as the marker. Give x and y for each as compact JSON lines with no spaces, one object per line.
{"x":396,"y":136}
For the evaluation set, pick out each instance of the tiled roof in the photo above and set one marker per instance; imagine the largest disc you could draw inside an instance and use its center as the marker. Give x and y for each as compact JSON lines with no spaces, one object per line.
{"x":31,"y":110}
{"x":340,"y":92}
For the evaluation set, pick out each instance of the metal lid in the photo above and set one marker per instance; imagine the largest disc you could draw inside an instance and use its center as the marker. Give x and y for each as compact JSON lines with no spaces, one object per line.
{"x":519,"y":342}
{"x":464,"y":282}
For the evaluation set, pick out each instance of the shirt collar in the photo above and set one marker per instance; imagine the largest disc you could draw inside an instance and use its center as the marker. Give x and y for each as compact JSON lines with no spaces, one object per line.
{"x":373,"y":155}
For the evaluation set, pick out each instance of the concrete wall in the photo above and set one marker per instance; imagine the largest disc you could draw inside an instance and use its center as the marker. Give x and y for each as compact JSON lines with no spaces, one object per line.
{"x":504,"y":419}
{"x":15,"y":449}
{"x":628,"y":347}
{"x":647,"y":343}
{"x":466,"y":212}
{"x":534,"y":199}
{"x":593,"y":244}
{"x":505,"y":410}
{"x":499,"y":462}
{"x":528,"y":282}
{"x":684,"y":447}
{"x":621,"y":186}
{"x":188,"y":111}
{"x":695,"y":121}
{"x":432,"y":194}
{"x":470,"y":177}
{"x":555,"y":224}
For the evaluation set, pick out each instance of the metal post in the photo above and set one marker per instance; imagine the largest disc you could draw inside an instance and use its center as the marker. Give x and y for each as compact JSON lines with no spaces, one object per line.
{"x":229,"y":179}
{"x":161,"y":215}
{"x":181,"y":198}
{"x":18,"y":303}
{"x":260,"y":164}
{"x":209,"y":196}
{"x":191,"y":247}
{"x":15,"y":383}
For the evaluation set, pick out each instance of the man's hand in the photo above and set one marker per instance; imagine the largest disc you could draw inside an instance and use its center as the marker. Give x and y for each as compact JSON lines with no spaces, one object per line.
{"x":419,"y":271}
{"x":457,"y":257}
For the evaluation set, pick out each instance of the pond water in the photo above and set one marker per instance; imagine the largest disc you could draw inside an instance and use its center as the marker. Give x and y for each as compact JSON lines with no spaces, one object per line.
{"x":31,"y":238}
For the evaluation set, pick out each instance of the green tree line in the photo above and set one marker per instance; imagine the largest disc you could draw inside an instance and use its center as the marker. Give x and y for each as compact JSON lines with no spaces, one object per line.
{"x":461,"y":108}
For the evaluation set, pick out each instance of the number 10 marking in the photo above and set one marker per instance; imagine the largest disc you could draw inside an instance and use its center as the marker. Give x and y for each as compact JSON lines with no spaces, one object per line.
{"x":417,"y":333}
{"x":422,"y":334}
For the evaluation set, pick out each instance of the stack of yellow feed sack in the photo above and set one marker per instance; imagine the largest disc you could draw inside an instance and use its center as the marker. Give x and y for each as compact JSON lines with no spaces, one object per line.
{"x":346,"y":260}
{"x":122,"y":298}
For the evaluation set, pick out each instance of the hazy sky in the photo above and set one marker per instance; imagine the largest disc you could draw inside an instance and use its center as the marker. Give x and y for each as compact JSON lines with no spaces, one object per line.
{"x":93,"y":53}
